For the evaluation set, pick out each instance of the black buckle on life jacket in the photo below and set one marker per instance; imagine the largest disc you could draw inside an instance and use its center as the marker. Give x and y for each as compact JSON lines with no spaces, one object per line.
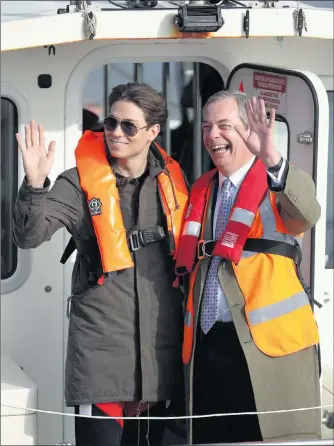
{"x":134,"y":241}
{"x":139,"y":238}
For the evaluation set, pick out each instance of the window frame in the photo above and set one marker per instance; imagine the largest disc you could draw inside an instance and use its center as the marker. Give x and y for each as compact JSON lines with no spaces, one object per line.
{"x":11,"y":272}
{"x":24,"y":256}
{"x":329,"y":91}
{"x":281,"y":118}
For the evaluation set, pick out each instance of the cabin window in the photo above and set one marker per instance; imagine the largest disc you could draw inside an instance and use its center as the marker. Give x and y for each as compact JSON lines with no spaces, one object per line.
{"x":281,"y":136}
{"x":186,"y":85}
{"x":9,"y":168}
{"x":330,"y":187}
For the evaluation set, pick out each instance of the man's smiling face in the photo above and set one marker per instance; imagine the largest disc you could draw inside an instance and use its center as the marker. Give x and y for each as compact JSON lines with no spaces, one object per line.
{"x":225,"y":146}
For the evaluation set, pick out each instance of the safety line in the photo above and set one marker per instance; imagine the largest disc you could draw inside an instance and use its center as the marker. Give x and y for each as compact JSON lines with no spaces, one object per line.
{"x":184,"y":417}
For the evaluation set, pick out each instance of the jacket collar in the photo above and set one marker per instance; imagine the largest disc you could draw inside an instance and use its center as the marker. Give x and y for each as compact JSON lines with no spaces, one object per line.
{"x":155,"y":161}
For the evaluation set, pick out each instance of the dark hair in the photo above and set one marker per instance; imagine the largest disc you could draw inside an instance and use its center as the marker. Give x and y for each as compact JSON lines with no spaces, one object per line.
{"x":152,"y":103}
{"x":89,"y":119}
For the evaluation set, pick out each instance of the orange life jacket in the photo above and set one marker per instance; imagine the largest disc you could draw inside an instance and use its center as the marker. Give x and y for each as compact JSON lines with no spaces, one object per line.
{"x":277,"y":309}
{"x":99,"y":184}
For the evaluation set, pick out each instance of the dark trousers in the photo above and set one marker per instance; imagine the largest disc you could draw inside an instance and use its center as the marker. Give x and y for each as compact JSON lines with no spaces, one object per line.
{"x":222,"y":385}
{"x":97,"y":432}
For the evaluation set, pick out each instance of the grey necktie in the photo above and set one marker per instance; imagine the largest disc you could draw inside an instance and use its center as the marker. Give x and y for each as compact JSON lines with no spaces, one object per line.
{"x":209,"y":313}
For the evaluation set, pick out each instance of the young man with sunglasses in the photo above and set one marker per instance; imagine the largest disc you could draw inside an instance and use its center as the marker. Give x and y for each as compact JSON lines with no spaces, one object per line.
{"x":123,"y":204}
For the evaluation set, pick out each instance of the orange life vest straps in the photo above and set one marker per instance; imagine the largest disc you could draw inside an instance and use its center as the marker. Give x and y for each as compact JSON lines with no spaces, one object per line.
{"x":199,"y":196}
{"x":174,"y":197}
{"x":99,"y":184}
{"x":232,"y":241}
{"x":189,"y":320}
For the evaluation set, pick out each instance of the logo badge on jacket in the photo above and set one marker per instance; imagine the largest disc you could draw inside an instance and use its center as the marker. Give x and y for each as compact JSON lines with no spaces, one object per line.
{"x":94,"y":206}
{"x":168,"y":160}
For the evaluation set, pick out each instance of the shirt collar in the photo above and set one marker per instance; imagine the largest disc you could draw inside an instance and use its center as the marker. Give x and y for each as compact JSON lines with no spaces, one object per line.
{"x":237,"y":177}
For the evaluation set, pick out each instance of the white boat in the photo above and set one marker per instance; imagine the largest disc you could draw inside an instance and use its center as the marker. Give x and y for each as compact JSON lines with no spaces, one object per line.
{"x":59,"y":57}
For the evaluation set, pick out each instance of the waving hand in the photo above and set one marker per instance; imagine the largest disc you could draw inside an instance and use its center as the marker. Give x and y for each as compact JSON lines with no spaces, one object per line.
{"x":37,"y":162}
{"x":259,"y":138}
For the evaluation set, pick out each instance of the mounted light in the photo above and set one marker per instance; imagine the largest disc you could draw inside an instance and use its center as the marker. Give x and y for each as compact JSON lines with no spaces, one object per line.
{"x":199,"y":19}
{"x":142,"y":3}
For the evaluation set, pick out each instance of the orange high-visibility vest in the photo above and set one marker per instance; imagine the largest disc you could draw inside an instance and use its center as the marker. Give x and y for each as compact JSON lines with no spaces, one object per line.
{"x":277,"y":309}
{"x":99,"y":184}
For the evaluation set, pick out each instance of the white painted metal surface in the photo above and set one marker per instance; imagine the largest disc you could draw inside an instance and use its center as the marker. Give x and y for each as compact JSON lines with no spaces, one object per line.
{"x":33,"y":322}
{"x":122,"y":25}
{"x":18,"y":427}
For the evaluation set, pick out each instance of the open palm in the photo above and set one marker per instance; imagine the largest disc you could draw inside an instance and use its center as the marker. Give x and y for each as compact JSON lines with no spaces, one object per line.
{"x":259,"y":138}
{"x":37,"y":162}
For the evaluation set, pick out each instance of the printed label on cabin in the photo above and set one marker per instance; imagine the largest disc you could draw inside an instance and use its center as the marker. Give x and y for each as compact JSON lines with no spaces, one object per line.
{"x":272,"y":88}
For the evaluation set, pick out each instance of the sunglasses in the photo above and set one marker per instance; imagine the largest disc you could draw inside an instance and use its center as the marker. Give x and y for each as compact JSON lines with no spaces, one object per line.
{"x":128,"y":128}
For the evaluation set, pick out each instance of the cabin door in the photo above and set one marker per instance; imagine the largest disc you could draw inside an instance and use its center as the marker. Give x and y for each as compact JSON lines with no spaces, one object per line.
{"x":302,"y":112}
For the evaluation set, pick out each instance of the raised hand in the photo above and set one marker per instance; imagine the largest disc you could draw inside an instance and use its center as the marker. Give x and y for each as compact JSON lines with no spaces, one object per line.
{"x":259,"y":138}
{"x":37,"y":162}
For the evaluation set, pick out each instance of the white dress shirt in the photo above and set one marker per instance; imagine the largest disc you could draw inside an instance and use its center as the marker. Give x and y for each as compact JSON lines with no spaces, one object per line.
{"x":236,"y":179}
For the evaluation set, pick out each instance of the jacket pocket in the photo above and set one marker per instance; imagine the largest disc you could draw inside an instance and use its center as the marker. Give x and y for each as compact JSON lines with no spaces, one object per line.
{"x":78,"y":295}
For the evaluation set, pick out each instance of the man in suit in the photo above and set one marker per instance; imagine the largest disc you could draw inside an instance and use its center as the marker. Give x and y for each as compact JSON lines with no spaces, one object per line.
{"x":250,"y":337}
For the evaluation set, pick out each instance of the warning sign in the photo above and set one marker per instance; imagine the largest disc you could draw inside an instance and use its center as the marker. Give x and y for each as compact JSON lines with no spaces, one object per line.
{"x":272,"y":88}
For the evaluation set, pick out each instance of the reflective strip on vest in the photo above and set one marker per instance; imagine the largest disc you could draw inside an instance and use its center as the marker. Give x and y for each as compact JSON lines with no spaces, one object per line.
{"x":278,"y":309}
{"x":187,"y":319}
{"x":243,"y":216}
{"x":269,"y":225}
{"x":267,"y":217}
{"x":269,"y":228}
{"x":192,"y":228}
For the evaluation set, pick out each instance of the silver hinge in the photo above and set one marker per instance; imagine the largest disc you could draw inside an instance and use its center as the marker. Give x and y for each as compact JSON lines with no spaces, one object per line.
{"x":300,"y":21}
{"x":305,"y":138}
{"x":270,"y":3}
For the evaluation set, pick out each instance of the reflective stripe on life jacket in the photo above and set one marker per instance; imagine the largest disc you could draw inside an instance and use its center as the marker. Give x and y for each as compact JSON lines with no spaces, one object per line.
{"x":277,"y":309}
{"x":98,"y":182}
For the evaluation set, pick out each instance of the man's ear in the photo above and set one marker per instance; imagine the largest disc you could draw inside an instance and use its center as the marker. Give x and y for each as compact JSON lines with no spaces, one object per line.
{"x":154,"y":131}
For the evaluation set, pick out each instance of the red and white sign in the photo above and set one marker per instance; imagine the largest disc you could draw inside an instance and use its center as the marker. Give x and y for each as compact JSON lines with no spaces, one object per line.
{"x":272,"y":88}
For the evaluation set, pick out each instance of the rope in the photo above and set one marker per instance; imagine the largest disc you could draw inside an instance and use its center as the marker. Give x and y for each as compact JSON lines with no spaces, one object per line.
{"x":90,"y":21}
{"x":184,"y":417}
